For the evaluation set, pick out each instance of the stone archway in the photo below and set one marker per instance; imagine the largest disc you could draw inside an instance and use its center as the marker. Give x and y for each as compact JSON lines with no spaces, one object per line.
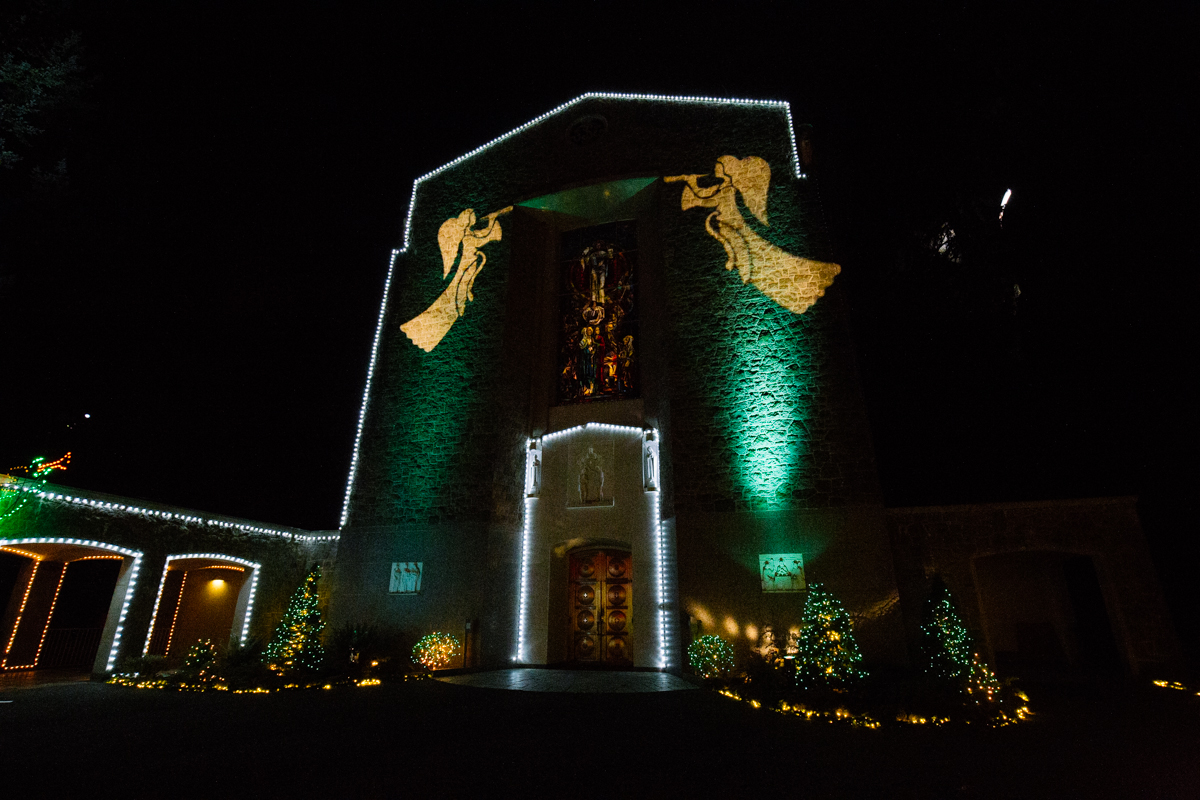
{"x":201,"y":596}
{"x":1044,"y":615}
{"x":67,"y":605}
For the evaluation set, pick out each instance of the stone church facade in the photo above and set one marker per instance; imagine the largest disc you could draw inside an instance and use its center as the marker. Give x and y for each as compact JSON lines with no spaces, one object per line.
{"x":612,"y":405}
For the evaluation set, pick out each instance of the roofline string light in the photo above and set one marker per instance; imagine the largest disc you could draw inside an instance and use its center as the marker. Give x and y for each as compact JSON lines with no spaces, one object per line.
{"x":362,"y":411}
{"x":253,"y":566}
{"x":174,"y":516}
{"x":136,"y":555}
{"x":784,"y":105}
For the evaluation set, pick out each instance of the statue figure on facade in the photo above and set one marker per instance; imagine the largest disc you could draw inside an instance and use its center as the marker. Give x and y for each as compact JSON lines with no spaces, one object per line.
{"x":459,"y":241}
{"x":791,"y":281}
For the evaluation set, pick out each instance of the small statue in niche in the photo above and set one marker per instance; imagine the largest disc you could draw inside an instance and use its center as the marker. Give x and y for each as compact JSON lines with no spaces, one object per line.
{"x":591,"y":478}
{"x":651,"y":450}
{"x":534,"y":466}
{"x":766,"y":645}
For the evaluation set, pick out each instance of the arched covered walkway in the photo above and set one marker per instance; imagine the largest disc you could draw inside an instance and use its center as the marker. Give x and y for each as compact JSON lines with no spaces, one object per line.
{"x":65,"y":604}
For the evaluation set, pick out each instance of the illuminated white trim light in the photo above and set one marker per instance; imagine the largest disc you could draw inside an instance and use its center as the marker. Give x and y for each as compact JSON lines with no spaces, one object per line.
{"x":659,"y":542}
{"x":660,"y":567}
{"x":783,"y":105}
{"x":525,"y":536}
{"x":362,"y":411}
{"x":133,"y":576}
{"x":254,"y":566}
{"x":176,"y":516}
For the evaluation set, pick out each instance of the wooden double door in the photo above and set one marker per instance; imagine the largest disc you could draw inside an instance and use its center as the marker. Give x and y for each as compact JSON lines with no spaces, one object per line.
{"x":601,"y":602}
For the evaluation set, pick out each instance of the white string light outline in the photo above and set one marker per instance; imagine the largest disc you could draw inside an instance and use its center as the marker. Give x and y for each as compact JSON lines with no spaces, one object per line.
{"x":782,"y":105}
{"x":175,"y":516}
{"x":253,"y":566}
{"x":659,"y":542}
{"x":136,"y":555}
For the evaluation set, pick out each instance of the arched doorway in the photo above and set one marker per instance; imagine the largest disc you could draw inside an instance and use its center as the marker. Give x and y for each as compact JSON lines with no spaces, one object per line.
{"x":600,"y":596}
{"x":201,"y":596}
{"x":1044,"y":615}
{"x":66,"y":603}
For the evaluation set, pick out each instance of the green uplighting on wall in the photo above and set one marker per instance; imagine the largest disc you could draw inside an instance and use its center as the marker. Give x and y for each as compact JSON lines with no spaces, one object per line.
{"x":598,"y":202}
{"x":769,"y":411}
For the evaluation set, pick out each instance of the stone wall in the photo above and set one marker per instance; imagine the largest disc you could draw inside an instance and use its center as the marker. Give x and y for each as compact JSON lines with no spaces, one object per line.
{"x":159,"y":531}
{"x":948,"y":540}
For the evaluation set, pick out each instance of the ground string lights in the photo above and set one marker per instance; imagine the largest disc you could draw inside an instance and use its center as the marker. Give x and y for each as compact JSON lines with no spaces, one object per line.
{"x":782,"y":105}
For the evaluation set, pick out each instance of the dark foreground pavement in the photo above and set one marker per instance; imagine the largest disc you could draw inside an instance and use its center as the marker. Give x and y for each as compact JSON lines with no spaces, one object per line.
{"x":431,"y":739}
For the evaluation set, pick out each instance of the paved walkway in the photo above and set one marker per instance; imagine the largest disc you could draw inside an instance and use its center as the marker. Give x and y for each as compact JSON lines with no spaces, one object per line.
{"x":29,"y":678}
{"x":574,"y":681}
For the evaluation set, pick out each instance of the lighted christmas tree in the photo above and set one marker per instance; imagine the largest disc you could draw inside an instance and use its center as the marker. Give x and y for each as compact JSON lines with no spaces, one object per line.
{"x":711,"y":657}
{"x":435,"y":650}
{"x":946,"y":648}
{"x":945,"y":643}
{"x":296,"y":644}
{"x":828,"y":654}
{"x":200,"y":661}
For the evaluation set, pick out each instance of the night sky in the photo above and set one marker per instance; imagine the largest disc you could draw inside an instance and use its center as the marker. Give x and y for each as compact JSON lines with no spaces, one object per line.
{"x":206,"y":283}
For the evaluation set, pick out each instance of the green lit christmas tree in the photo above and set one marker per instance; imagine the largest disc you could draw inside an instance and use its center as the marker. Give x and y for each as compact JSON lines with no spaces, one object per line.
{"x":711,"y":657}
{"x":946,"y":650}
{"x":296,"y":644}
{"x":828,"y":654}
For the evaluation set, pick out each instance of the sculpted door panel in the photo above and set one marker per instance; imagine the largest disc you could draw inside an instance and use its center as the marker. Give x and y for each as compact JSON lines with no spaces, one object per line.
{"x":600,"y":599}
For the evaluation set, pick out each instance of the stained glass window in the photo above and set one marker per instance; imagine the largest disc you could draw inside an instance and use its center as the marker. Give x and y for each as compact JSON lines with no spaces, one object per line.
{"x":598,"y":338}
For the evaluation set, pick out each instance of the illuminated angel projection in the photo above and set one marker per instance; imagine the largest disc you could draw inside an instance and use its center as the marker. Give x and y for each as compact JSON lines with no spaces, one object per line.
{"x":457,"y":239}
{"x":793,"y":282}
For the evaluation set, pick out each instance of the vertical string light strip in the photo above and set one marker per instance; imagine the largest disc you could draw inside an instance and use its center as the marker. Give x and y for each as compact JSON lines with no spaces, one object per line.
{"x":249,"y":605}
{"x":37,"y":562}
{"x":175,"y":615}
{"x":660,"y":567}
{"x":362,"y":411}
{"x":116,"y":645}
{"x":50,"y":616}
{"x":254,"y":566}
{"x":525,"y":535}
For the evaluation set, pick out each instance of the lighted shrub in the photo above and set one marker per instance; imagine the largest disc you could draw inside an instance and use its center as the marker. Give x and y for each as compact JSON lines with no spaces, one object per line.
{"x":711,"y":657}
{"x":435,"y":650}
